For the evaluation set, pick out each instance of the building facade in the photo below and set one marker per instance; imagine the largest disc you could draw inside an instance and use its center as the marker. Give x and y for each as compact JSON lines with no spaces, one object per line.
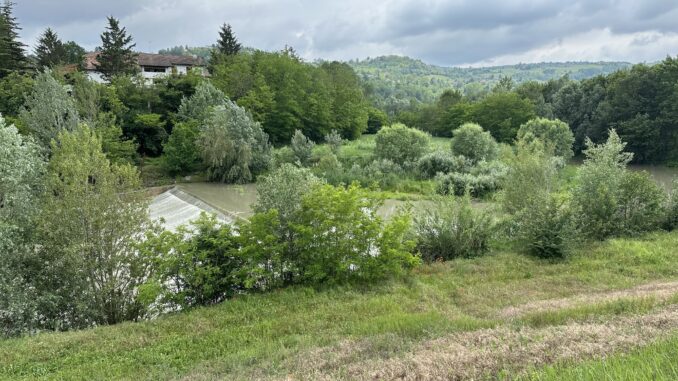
{"x":151,"y":66}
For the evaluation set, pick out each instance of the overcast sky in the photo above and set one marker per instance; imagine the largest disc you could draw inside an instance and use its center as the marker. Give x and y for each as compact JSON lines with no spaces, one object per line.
{"x":451,"y":32}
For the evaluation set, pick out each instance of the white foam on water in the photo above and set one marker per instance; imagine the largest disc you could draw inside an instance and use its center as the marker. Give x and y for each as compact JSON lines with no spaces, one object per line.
{"x":179,"y":209}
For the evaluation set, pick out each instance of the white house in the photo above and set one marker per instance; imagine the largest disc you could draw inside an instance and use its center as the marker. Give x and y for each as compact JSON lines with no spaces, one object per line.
{"x":150,"y":65}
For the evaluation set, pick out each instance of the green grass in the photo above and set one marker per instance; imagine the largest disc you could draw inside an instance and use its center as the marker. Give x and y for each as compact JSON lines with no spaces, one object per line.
{"x":259,"y":332}
{"x":656,"y":362}
{"x":622,"y":306}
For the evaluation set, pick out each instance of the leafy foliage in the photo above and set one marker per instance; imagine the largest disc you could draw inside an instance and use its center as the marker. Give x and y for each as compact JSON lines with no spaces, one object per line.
{"x":608,"y":199}
{"x":233,"y":146}
{"x":181,"y":154}
{"x":330,"y":235}
{"x":480,"y":180}
{"x":302,"y":147}
{"x":395,"y":83}
{"x":14,"y":88}
{"x":453,"y":228}
{"x":282,"y":190}
{"x":502,"y":114}
{"x":340,"y":238}
{"x":401,"y":144}
{"x":199,"y":106}
{"x":441,"y":161}
{"x":48,"y":109}
{"x":555,"y":135}
{"x":539,"y":218}
{"x":334,"y":140}
{"x":285,"y":94}
{"x":87,"y":267}
{"x":671,"y":220}
{"x":21,"y":174}
{"x":472,"y":142}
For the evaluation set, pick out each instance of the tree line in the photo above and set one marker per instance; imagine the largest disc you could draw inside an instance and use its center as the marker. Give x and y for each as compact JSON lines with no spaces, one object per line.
{"x":639,"y":103}
{"x":278,"y":89}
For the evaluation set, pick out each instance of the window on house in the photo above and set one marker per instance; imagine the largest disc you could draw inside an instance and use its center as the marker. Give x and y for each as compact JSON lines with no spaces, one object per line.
{"x":154,"y":69}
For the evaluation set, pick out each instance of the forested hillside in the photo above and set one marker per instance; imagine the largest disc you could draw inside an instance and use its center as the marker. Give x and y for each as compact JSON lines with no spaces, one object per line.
{"x":395,"y":82}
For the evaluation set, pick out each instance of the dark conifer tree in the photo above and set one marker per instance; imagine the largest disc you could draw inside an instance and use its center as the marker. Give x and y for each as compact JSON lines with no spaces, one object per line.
{"x":227,"y":43}
{"x":117,"y":56}
{"x":12,"y":51}
{"x":227,"y":46}
{"x":50,"y":50}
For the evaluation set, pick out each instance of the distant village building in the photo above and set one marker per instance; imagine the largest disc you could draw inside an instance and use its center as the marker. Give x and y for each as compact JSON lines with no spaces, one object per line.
{"x":151,"y":66}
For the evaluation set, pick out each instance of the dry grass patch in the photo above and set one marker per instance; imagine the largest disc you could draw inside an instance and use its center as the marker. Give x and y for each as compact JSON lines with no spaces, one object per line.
{"x":486,"y":353}
{"x":657,"y":291}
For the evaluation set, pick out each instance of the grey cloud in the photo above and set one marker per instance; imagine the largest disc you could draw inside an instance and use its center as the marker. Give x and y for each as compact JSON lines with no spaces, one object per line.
{"x":444,"y":32}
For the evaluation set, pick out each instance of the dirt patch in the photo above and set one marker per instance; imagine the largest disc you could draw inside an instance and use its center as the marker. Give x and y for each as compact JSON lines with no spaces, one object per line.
{"x":485,"y":353}
{"x":659,"y":291}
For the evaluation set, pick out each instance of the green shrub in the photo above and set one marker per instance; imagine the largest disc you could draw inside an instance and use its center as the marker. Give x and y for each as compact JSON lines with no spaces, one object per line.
{"x":482,"y":179}
{"x":640,"y":203}
{"x":544,"y":228}
{"x":334,"y":141}
{"x":180,"y":154}
{"x":384,"y":172}
{"x":283,"y":155}
{"x":538,"y":219}
{"x":196,"y":265}
{"x":671,"y":219}
{"x":472,"y":142}
{"x":283,"y":189}
{"x":429,"y":165}
{"x":609,"y":200}
{"x":452,"y":228}
{"x":401,"y":144}
{"x":339,"y":237}
{"x":532,"y":172}
{"x":302,"y":147}
{"x":460,"y":183}
{"x":554,"y":134}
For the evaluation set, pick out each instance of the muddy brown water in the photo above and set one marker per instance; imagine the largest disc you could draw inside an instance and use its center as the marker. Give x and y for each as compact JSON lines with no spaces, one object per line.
{"x":237,"y":200}
{"x":663,"y":175}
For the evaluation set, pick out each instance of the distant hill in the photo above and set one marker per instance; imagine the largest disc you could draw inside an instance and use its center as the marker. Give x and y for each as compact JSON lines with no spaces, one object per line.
{"x":395,"y":81}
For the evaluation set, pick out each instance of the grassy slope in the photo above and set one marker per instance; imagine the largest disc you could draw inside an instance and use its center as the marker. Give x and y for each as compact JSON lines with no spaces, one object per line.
{"x":656,"y":362}
{"x":259,"y":332}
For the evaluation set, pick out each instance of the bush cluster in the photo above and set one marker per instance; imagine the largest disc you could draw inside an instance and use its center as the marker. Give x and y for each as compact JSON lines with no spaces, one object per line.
{"x":431,"y":164}
{"x":453,"y":228}
{"x":401,"y":144}
{"x":608,"y":199}
{"x":482,"y":179}
{"x":304,"y":232}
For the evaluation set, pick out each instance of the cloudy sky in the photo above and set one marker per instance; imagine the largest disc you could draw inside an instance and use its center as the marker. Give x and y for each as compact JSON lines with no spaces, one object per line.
{"x":444,"y":32}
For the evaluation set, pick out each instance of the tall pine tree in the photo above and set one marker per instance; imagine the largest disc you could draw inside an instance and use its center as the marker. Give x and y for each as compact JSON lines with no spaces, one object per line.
{"x":12,"y":57}
{"x":117,"y":56}
{"x":227,"y":43}
{"x":50,"y":51}
{"x":226,"y":46}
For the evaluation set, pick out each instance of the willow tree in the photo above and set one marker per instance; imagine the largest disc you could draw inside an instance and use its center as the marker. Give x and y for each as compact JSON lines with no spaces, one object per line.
{"x":199,"y":105}
{"x":233,"y":146}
